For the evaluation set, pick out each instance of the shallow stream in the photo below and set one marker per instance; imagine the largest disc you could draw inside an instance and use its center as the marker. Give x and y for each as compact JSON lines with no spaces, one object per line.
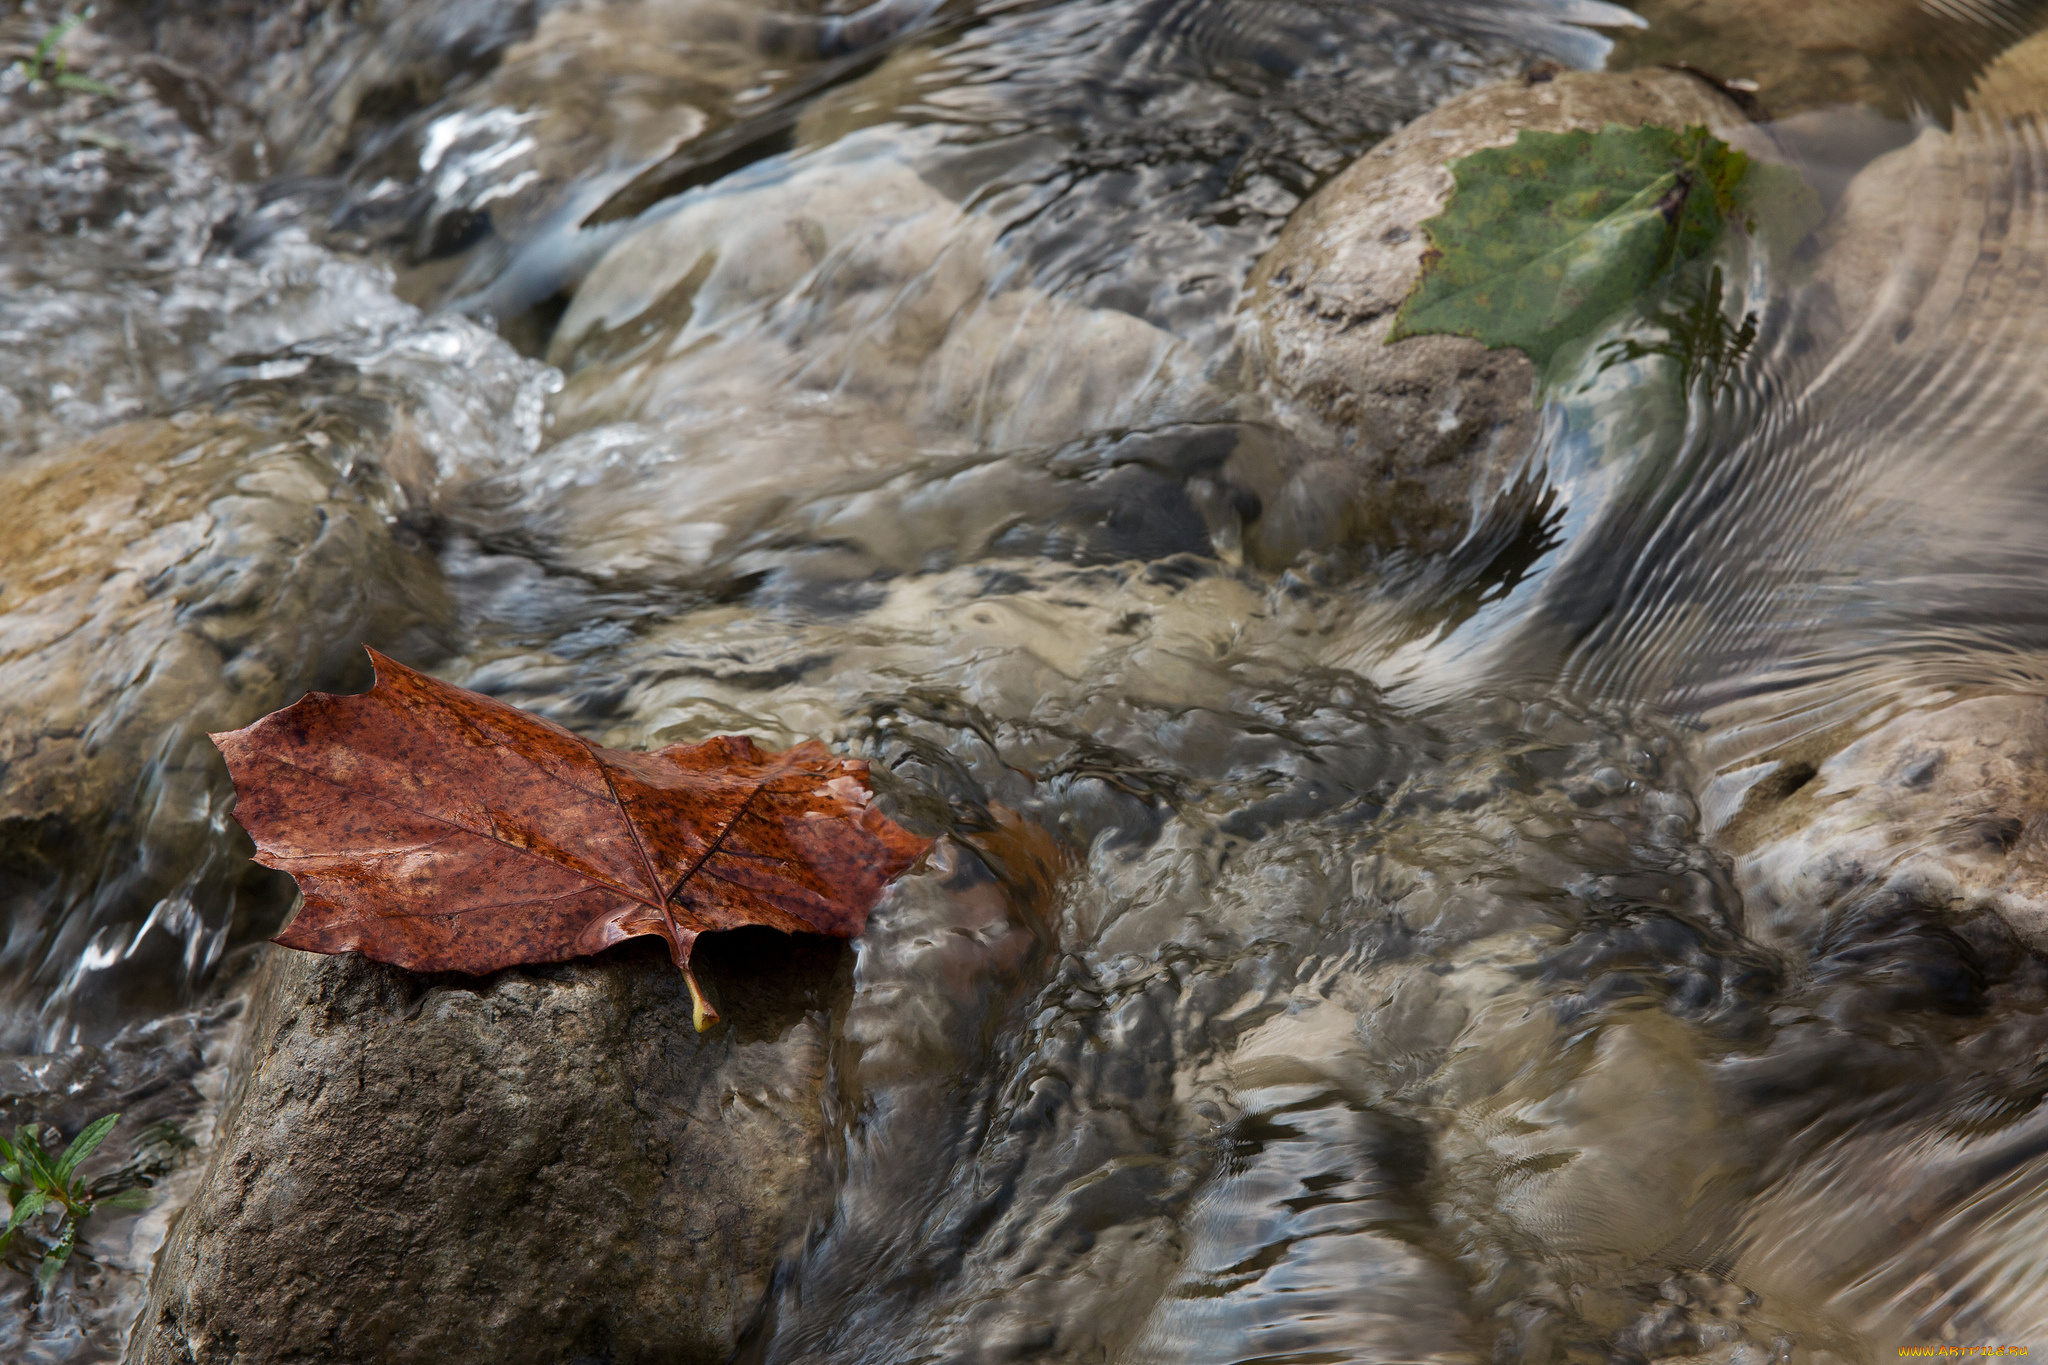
{"x":1394,"y":993}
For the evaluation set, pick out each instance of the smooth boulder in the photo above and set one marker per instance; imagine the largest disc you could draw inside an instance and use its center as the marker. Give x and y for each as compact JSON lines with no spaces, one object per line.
{"x":1933,"y":253}
{"x":1417,"y":433}
{"x":1934,"y":244}
{"x":817,"y":325}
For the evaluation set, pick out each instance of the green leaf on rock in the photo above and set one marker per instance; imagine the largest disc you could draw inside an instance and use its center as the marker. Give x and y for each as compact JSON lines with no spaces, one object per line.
{"x":1544,"y":238}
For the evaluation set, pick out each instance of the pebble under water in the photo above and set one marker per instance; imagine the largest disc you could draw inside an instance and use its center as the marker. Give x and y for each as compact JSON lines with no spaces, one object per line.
{"x":1621,"y":937}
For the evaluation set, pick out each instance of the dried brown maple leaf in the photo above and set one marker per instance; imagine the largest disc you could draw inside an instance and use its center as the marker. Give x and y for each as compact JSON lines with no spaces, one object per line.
{"x":438,"y":829}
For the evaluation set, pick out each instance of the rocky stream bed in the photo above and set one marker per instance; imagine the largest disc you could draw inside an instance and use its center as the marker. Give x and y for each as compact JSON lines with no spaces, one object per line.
{"x":1508,"y":871}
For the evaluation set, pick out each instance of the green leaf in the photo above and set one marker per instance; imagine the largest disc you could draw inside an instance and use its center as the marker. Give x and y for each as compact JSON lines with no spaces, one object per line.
{"x":83,"y":1145}
{"x":1543,"y":239}
{"x":67,"y":81}
{"x":35,"y":1162}
{"x":27,"y":1207}
{"x":53,"y":1262}
{"x":129,"y":1200}
{"x":1778,"y":207}
{"x":54,"y":37}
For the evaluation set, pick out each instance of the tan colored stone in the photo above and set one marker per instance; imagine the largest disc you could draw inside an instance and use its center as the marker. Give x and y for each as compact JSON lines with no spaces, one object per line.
{"x":165,"y":579}
{"x":150,"y":567}
{"x":1935,"y":247}
{"x":2016,"y":84}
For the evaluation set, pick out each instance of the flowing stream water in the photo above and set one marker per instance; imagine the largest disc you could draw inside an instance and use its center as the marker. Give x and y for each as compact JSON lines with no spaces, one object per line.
{"x":679,"y":367}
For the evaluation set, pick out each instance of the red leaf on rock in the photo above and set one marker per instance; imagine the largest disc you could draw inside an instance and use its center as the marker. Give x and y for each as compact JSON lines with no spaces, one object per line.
{"x":435,"y":828}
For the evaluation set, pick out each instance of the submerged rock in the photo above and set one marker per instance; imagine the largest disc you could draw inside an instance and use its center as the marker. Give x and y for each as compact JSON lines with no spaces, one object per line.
{"x":1935,"y":809}
{"x":1887,"y":53}
{"x":172,"y":577}
{"x":929,"y":323}
{"x":544,"y":1164}
{"x":154,"y":553}
{"x":825,"y":323}
{"x":1894,"y":252}
{"x":1426,"y":427}
{"x":1930,"y":812}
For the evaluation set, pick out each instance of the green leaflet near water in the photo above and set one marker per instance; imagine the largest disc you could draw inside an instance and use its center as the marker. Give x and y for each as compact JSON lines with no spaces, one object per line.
{"x":1544,"y":238}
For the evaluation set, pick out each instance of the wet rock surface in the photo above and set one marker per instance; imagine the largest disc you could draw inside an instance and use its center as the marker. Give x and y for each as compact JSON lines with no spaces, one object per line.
{"x":148,"y":565}
{"x":106,"y":206}
{"x":470,"y":141}
{"x":171,"y":577}
{"x":933,"y":328}
{"x":1421,"y":431}
{"x":861,"y":332}
{"x":536,"y":1166}
{"x":298,"y":86}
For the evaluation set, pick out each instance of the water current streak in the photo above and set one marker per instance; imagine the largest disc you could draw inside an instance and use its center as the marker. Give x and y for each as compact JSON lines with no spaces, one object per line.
{"x":1863,"y":511}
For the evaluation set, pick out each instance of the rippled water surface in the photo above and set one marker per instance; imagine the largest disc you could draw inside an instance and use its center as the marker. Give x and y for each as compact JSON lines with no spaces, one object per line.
{"x":1620,"y":936}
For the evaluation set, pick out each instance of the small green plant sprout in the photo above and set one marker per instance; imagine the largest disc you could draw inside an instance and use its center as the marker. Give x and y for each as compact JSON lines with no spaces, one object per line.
{"x":49,"y":1200}
{"x":50,"y":69}
{"x":1698,"y":336}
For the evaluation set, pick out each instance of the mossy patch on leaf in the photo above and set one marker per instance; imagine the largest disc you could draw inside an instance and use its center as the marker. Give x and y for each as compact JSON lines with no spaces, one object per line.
{"x":1543,"y":239}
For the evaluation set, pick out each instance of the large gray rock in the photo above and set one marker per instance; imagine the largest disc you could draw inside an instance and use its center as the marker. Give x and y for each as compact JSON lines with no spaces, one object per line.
{"x":545,"y":1164}
{"x":1418,"y":431}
